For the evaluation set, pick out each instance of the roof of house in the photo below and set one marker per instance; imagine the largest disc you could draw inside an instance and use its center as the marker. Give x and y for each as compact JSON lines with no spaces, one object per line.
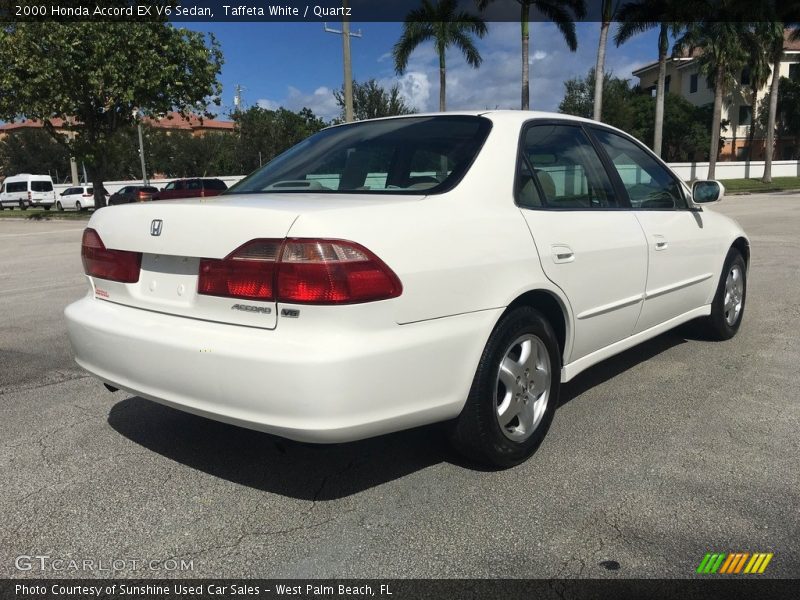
{"x":172,"y":120}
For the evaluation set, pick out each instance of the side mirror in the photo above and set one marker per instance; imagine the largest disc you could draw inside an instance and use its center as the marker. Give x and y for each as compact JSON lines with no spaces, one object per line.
{"x":707,"y":192}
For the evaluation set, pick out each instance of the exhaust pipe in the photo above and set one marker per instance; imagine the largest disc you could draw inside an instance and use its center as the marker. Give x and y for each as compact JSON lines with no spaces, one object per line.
{"x":111,"y":388}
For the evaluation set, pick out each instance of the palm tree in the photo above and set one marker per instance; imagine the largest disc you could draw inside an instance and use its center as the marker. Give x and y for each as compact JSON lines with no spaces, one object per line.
{"x":561,"y":12}
{"x":758,"y":43}
{"x":441,"y":23}
{"x":722,"y":53}
{"x":775,"y":35}
{"x":637,"y":17}
{"x":609,"y":10}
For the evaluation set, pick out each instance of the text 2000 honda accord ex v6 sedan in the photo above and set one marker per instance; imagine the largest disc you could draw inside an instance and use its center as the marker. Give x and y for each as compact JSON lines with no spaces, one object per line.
{"x":391,"y":273}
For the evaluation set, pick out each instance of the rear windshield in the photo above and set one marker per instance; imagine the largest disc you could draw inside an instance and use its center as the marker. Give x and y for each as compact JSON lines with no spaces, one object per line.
{"x":148,"y":189}
{"x":41,"y":186}
{"x":214,"y":184}
{"x":396,"y":156}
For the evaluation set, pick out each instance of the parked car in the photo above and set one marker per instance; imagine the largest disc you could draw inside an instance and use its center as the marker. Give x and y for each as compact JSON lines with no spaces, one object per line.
{"x":27,"y":190}
{"x":132,"y":193}
{"x":78,"y":197}
{"x":191,"y":188}
{"x":386,"y":274}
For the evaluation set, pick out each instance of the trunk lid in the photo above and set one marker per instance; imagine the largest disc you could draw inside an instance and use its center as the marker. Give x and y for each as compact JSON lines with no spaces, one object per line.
{"x":174,"y":235}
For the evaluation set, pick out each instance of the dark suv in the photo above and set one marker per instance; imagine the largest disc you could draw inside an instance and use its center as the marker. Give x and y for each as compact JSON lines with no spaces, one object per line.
{"x":132,"y":193}
{"x":191,"y":188}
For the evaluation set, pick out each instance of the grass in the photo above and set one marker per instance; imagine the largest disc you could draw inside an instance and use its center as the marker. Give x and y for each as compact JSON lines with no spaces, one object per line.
{"x":39,"y":214}
{"x":778,"y":184}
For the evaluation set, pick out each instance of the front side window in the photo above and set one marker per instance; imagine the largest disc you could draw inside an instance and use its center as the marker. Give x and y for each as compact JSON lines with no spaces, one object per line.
{"x":649,"y":184}
{"x":17,"y":186}
{"x":410,"y":155}
{"x":559,"y":168}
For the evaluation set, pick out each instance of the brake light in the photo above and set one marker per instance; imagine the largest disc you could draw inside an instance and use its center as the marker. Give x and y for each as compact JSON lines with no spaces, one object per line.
{"x":114,"y":265}
{"x":300,"y":271}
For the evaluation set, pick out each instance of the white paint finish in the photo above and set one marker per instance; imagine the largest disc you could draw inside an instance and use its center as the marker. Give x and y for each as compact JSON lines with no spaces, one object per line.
{"x":606,"y":278}
{"x":692,"y":252}
{"x":344,"y":372}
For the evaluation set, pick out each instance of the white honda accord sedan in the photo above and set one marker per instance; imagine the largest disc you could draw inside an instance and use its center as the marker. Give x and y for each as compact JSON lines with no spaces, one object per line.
{"x":391,"y":273}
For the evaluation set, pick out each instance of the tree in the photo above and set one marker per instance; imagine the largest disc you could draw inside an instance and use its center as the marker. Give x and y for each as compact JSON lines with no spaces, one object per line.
{"x":617,"y":94}
{"x":775,"y":53}
{"x":444,"y":25}
{"x":33,"y":151}
{"x":760,"y":43}
{"x":263,"y":134}
{"x":642,"y":15}
{"x":787,"y":111}
{"x":94,"y":75}
{"x":372,"y":101}
{"x":722,"y":53}
{"x":561,"y":12}
{"x":608,"y":11}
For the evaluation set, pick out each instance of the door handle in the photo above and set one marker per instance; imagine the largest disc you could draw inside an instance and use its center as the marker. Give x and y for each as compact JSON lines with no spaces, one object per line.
{"x":660,"y":242}
{"x":562,"y":254}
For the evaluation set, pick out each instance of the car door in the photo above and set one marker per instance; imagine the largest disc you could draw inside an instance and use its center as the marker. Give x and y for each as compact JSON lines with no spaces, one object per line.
{"x":589,"y":243}
{"x":193,"y":189}
{"x":171,"y":190}
{"x":68,"y":198}
{"x":682,"y":255}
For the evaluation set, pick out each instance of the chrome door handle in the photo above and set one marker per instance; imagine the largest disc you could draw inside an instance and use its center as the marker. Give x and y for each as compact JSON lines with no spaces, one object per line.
{"x":562,"y":254}
{"x":661,"y":242}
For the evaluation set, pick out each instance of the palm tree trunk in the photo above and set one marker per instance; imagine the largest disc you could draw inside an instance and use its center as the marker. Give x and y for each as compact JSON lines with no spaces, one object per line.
{"x":663,"y":45}
{"x":599,"y":72}
{"x":442,"y":82}
{"x":773,"y":110}
{"x":526,"y":90}
{"x":712,"y":156}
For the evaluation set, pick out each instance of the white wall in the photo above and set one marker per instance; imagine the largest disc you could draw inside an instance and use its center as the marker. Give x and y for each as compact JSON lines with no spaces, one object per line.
{"x":736,"y":169}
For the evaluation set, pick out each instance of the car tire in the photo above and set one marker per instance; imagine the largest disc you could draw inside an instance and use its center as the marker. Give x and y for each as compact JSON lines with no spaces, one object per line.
{"x":48,"y":207}
{"x":78,"y":206}
{"x":514,"y":393}
{"x":59,"y":206}
{"x":22,"y":205}
{"x":727,"y":308}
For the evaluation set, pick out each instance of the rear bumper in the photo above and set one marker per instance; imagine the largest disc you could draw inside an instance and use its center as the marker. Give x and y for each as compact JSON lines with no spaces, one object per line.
{"x":321,"y":386}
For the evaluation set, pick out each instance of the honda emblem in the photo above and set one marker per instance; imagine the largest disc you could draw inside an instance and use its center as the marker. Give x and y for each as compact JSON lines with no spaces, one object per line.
{"x":155,"y":227}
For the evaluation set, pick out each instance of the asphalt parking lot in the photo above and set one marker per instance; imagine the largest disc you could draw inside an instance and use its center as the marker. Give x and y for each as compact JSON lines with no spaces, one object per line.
{"x":671,"y":450}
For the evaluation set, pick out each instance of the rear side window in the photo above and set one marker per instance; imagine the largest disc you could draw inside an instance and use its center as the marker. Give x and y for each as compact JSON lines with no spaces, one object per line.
{"x":409,"y":155}
{"x":41,"y":186}
{"x":214,"y":184}
{"x":559,"y":168}
{"x":650,"y":186}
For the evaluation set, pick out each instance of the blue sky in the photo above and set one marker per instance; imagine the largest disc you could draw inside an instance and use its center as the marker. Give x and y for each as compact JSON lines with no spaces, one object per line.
{"x":298,"y":64}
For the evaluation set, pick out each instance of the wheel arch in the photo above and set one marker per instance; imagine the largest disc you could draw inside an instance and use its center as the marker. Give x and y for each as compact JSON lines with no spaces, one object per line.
{"x":743,"y":246}
{"x":554,"y":309}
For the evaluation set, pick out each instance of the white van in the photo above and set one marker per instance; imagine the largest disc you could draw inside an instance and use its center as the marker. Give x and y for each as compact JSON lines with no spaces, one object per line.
{"x":27,"y":190}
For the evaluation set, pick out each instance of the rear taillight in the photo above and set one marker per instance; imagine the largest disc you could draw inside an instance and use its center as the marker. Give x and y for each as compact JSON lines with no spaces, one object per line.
{"x":300,"y":271}
{"x":115,"y":265}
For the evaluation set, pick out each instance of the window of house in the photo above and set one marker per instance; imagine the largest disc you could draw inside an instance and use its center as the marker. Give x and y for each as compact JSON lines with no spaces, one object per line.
{"x":666,"y":83}
{"x":745,"y":78}
{"x":693,"y":84}
{"x":794,"y":72}
{"x":745,"y":115}
{"x":709,"y":83}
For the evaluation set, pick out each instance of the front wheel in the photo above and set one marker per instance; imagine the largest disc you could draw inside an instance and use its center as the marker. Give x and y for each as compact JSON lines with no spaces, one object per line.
{"x":514,"y":393}
{"x":78,"y":206}
{"x":727,"y":308}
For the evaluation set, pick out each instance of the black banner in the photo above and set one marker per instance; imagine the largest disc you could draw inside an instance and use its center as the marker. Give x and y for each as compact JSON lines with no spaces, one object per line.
{"x":369,"y":10}
{"x":405,"y":589}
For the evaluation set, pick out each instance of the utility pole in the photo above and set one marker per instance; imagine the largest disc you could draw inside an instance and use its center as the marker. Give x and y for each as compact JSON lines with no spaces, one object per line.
{"x":238,"y":102}
{"x":141,"y":147}
{"x":348,"y":67}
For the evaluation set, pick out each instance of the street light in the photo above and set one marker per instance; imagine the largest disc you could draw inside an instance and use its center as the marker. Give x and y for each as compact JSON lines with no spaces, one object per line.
{"x":141,"y":146}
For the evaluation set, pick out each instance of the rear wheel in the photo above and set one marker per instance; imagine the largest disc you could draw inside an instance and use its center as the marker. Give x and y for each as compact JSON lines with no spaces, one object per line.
{"x":727,"y":308}
{"x":59,"y":206}
{"x":514,"y":393}
{"x":22,"y":205}
{"x":47,"y":207}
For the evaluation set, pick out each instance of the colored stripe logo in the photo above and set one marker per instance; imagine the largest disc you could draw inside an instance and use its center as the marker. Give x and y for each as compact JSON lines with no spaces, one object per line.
{"x":734,"y":563}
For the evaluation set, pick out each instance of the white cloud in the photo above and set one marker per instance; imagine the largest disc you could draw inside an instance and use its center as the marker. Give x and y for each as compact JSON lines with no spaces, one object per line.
{"x":414,"y":87}
{"x":321,"y":101}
